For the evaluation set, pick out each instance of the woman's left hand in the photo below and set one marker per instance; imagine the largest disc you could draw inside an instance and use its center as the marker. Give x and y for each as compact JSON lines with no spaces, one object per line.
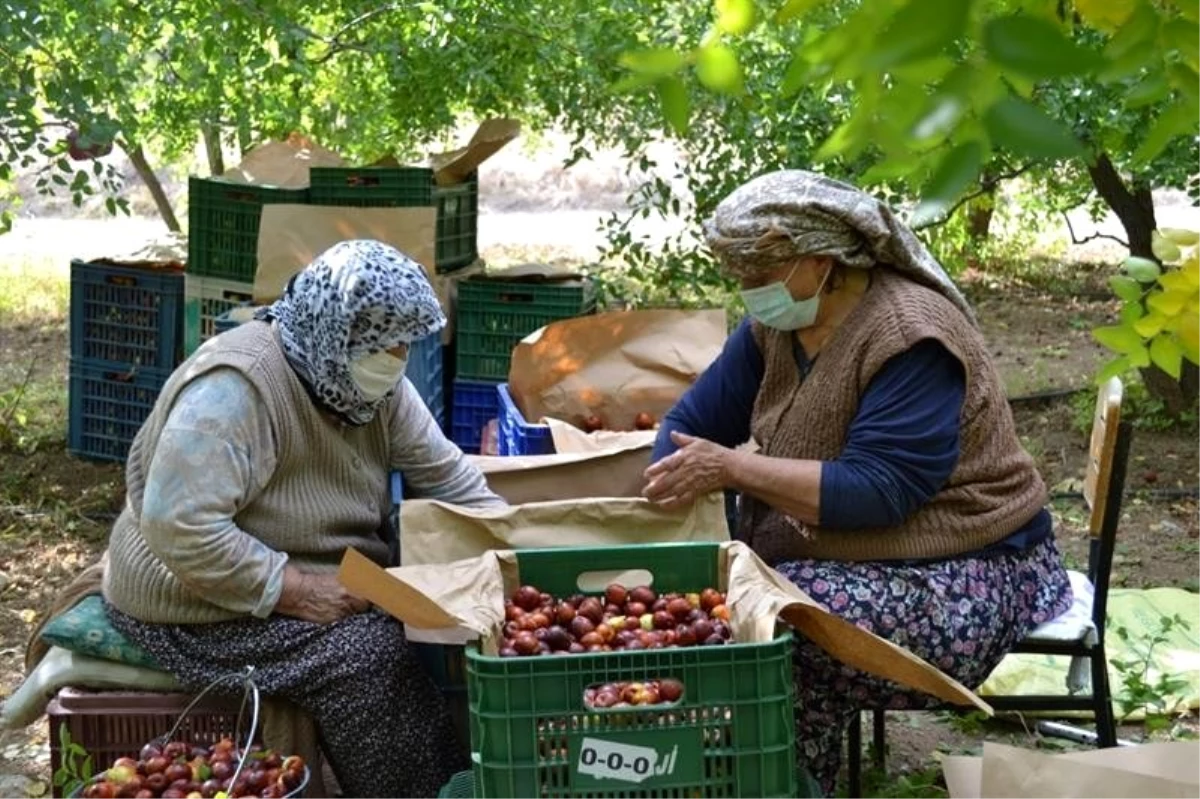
{"x":697,"y":468}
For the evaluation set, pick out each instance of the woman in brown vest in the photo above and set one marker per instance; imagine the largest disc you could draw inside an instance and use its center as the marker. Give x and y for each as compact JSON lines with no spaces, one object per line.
{"x":889,"y":483}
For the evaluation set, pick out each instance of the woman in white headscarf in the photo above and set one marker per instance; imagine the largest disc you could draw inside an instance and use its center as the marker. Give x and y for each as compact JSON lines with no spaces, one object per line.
{"x":890,"y":484}
{"x":266,"y":456}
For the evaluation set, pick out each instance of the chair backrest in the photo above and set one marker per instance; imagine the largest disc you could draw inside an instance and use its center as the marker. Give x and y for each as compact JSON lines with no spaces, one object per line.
{"x":1096,"y":482}
{"x":1103,"y":490}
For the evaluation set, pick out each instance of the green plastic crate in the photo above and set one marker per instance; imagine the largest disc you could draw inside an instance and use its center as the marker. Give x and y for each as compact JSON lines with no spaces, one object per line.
{"x":494,"y":315}
{"x":732,"y":733}
{"x":205,"y":299}
{"x":223,"y":222}
{"x":402,"y":187}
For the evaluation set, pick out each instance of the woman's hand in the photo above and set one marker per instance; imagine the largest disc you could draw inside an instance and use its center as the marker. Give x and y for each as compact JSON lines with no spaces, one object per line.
{"x":319,"y":598}
{"x":697,"y":468}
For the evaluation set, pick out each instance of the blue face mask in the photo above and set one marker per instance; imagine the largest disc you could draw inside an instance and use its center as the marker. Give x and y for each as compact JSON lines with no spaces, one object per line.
{"x":773,"y":305}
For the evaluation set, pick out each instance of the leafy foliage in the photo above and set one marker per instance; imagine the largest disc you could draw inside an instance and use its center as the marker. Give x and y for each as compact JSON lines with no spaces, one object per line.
{"x":1160,"y":313}
{"x":1138,"y":690}
{"x":76,"y":768}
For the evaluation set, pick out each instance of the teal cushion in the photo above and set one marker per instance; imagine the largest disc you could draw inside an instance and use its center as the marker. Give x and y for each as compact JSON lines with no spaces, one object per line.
{"x":85,"y":629}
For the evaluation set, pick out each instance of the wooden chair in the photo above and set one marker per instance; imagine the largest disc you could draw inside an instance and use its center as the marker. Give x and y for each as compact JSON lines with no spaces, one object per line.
{"x":1103,"y":487}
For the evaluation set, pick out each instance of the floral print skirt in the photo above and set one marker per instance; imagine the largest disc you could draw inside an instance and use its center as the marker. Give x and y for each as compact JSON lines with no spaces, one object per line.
{"x":961,"y":615}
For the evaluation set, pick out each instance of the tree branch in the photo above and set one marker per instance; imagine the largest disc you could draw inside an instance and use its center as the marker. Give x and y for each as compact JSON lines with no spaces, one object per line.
{"x":986,"y":186}
{"x":1096,"y":235}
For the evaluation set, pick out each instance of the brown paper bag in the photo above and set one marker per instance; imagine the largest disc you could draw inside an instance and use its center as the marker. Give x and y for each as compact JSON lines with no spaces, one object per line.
{"x":435,"y":532}
{"x":455,"y":166}
{"x":283,"y":163}
{"x":1159,"y":769}
{"x":291,"y":236}
{"x":569,"y":438}
{"x":615,"y":472}
{"x":614,"y":365}
{"x":469,"y":595}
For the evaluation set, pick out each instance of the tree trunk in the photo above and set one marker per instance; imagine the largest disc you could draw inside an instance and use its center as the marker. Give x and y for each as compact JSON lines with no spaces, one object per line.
{"x":138,"y":157}
{"x":212,"y":148}
{"x":1135,"y":208}
{"x":981,"y":209}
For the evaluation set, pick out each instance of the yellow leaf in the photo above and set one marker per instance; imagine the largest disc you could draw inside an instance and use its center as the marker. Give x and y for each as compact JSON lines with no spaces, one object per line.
{"x":1140,"y":357}
{"x":1189,"y":337}
{"x":1166,"y":354}
{"x":1180,"y":236}
{"x":735,"y":17}
{"x":1105,"y":15}
{"x":1164,"y":249}
{"x":1167,"y":303}
{"x":28,"y":615}
{"x":1176,"y":281}
{"x":1150,"y":325}
{"x":717,"y":68}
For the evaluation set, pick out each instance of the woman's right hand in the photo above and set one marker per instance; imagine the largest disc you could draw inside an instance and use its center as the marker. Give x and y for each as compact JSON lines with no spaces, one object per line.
{"x":319,"y":598}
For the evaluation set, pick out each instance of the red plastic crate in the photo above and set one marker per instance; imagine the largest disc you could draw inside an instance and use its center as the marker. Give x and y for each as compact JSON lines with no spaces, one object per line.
{"x":113,"y":724}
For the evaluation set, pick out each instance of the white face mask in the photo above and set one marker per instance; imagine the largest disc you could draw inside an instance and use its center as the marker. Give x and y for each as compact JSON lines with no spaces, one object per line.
{"x":774,"y":306}
{"x":377,"y":374}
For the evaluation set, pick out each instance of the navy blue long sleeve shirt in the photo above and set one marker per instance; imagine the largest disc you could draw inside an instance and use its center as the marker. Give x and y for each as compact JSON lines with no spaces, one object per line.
{"x":901,"y":448}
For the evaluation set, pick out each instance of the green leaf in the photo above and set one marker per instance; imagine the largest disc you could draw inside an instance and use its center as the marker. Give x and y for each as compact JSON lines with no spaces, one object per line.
{"x":954,"y":173}
{"x":793,"y":9}
{"x":735,"y":17}
{"x":717,"y":68}
{"x":1119,"y":338}
{"x":675,"y":103}
{"x":1026,"y":130}
{"x":1178,"y":120}
{"x":920,"y":29}
{"x":943,"y":115}
{"x":1148,"y":91}
{"x":1186,"y":81}
{"x":1143,"y":270}
{"x":1126,"y":288}
{"x":1116,"y":367}
{"x":1036,"y":48}
{"x":1180,"y":35}
{"x":658,"y":62}
{"x":1130,"y":313}
{"x":1166,"y":354}
{"x":796,"y":75}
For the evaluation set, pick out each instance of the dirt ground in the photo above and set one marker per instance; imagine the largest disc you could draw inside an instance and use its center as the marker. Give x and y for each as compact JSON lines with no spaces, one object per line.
{"x":55,"y":510}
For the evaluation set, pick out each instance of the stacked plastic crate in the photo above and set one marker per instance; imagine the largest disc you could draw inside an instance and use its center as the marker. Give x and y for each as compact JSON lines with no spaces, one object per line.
{"x":456,"y":242}
{"x":126,"y":337}
{"x":493,"y":317}
{"x":223,"y":222}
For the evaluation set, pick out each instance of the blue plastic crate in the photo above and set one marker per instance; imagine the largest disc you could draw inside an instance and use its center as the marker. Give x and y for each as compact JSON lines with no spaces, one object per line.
{"x":517,"y":436}
{"x":125,"y":316}
{"x":474,"y":403}
{"x":108,"y":406}
{"x":425,"y":372}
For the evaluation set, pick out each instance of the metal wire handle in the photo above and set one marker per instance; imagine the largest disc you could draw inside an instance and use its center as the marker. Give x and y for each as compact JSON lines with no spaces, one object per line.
{"x":250,"y":694}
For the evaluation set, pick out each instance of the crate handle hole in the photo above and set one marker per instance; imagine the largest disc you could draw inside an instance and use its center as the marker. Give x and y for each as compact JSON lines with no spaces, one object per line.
{"x":362,"y":180}
{"x":594,"y":582}
{"x":645,"y":694}
{"x":121,"y":280}
{"x":522,"y":297}
{"x":241,"y":196}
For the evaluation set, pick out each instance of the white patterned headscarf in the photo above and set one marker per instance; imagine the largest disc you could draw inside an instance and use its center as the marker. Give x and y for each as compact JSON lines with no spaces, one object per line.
{"x":357,"y":298}
{"x":775,"y":218}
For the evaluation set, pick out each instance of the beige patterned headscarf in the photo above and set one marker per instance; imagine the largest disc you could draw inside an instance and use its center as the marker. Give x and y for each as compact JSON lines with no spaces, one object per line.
{"x":775,"y":218}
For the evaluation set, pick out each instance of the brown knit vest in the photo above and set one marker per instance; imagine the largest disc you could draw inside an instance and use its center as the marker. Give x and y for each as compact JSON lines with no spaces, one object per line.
{"x":995,"y":487}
